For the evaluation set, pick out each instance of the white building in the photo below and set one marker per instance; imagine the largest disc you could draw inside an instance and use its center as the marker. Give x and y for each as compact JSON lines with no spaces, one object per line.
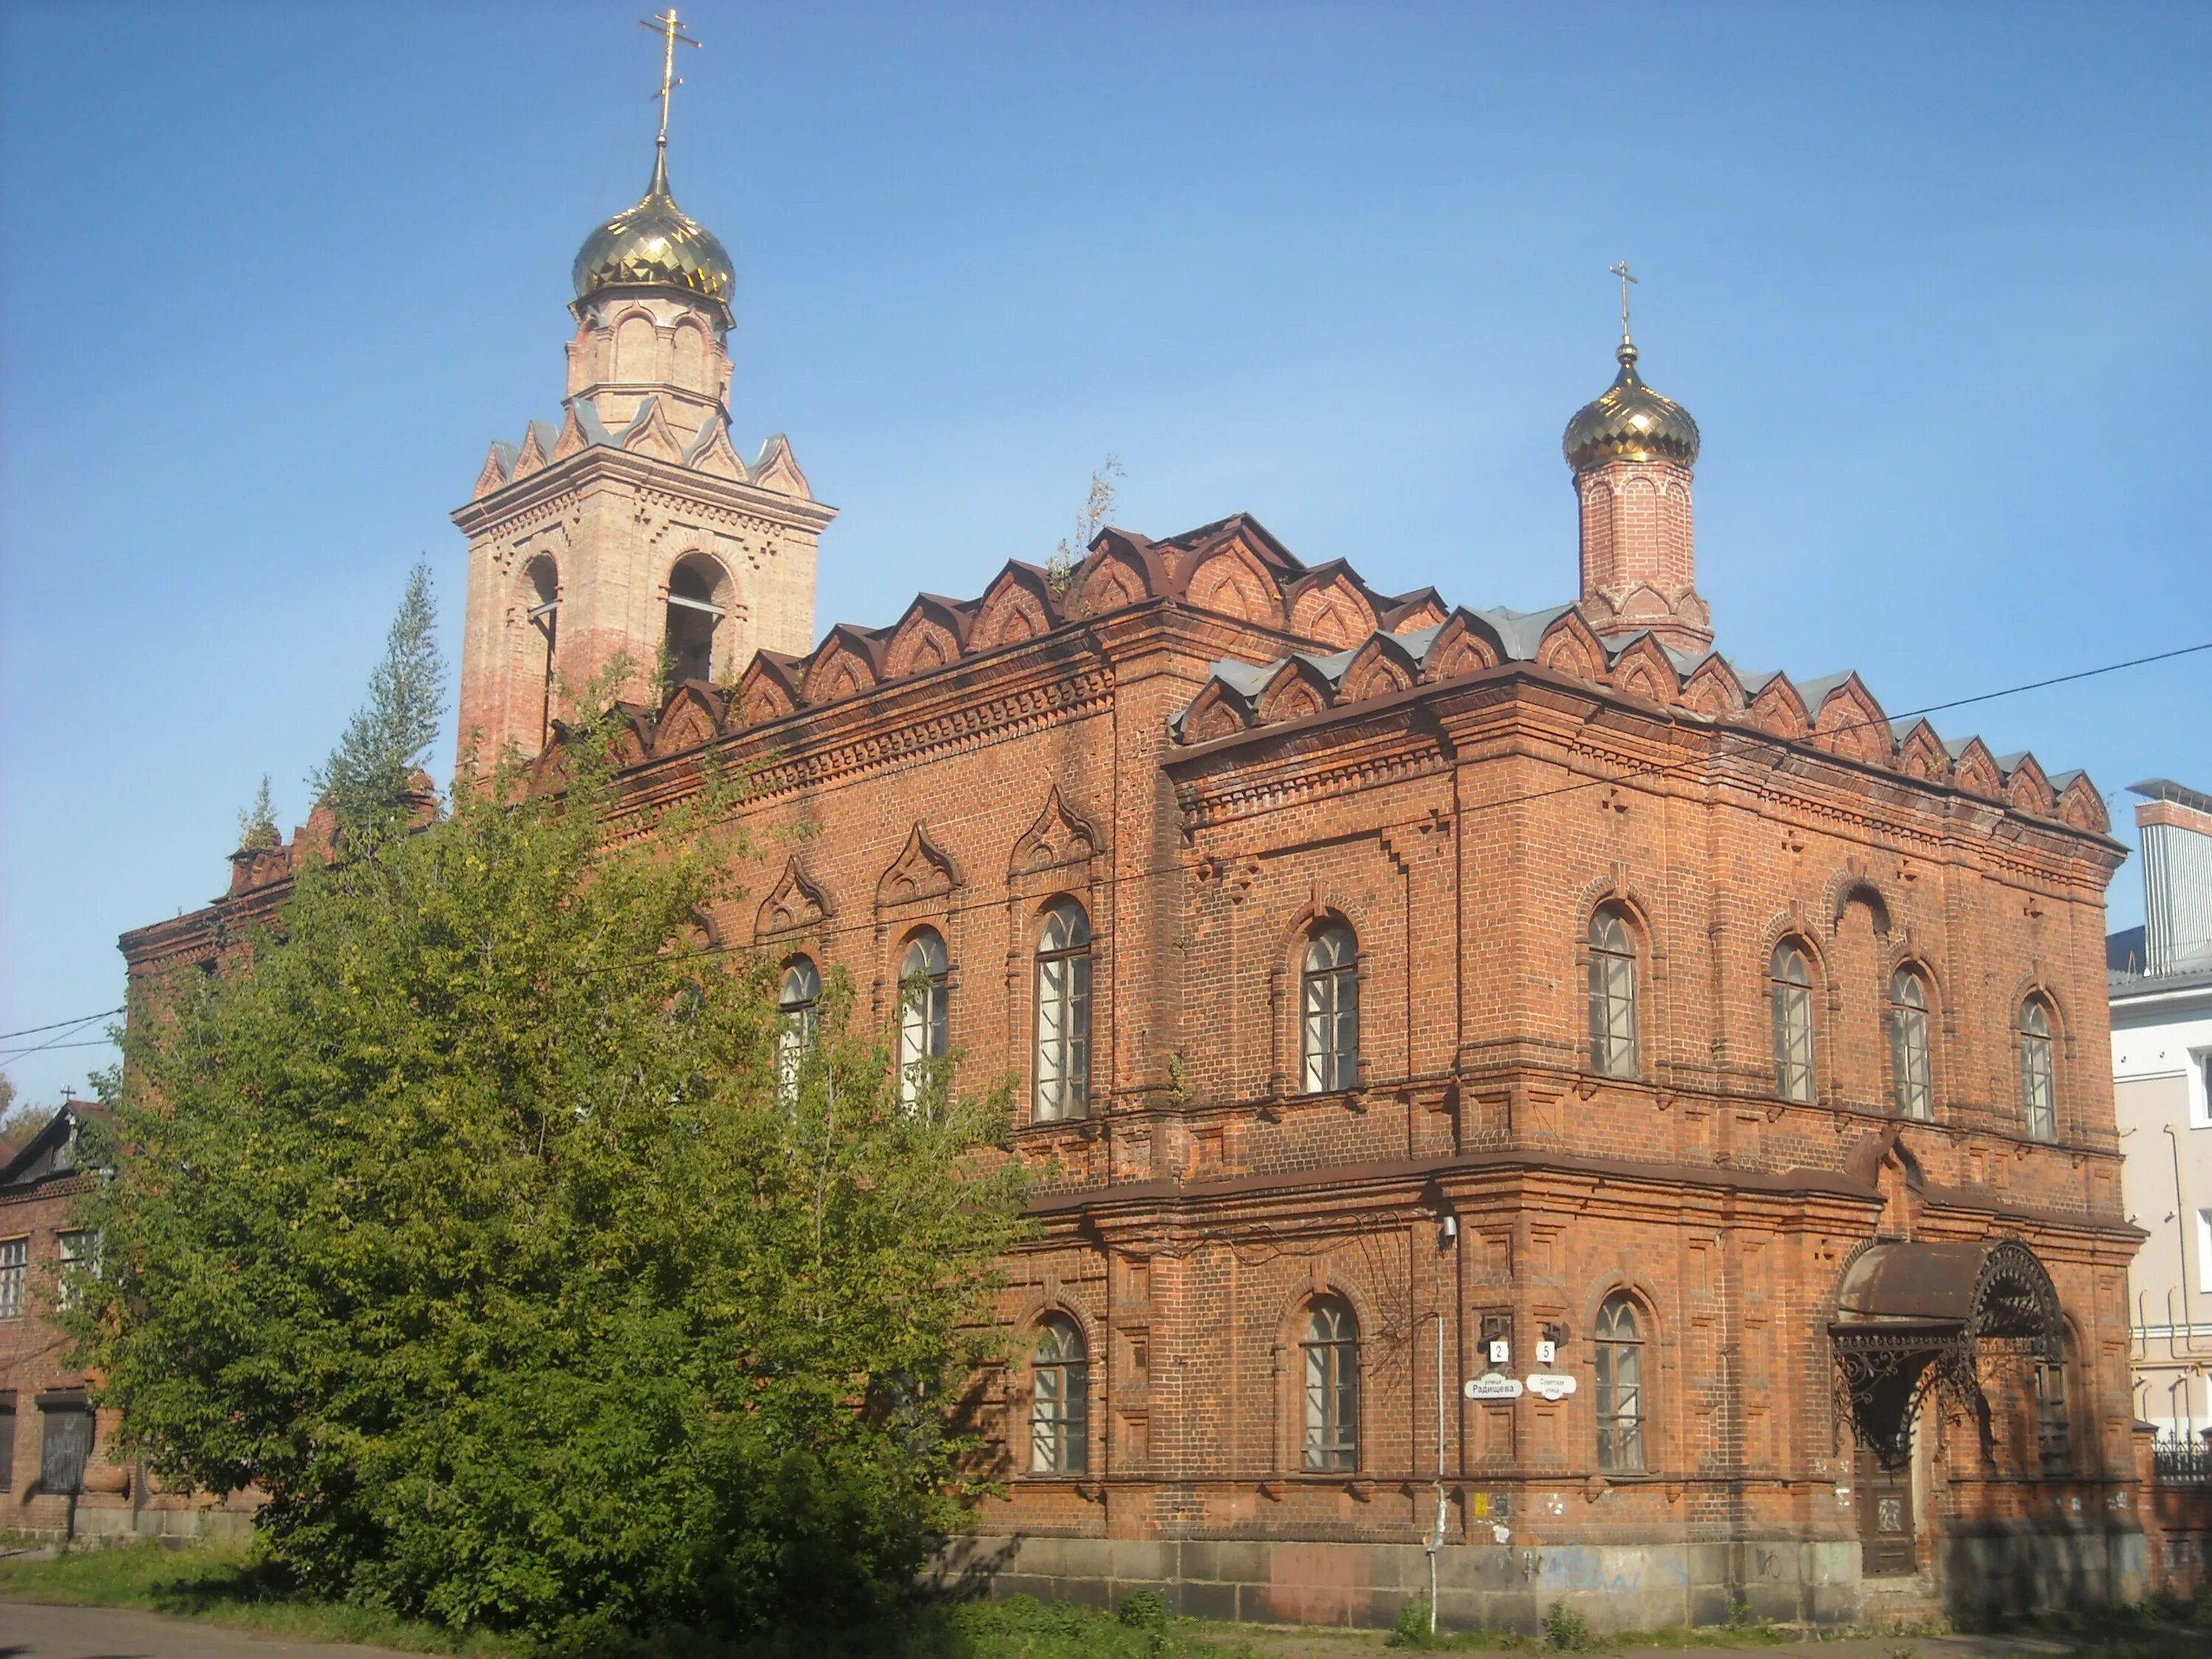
{"x":2161,"y":997}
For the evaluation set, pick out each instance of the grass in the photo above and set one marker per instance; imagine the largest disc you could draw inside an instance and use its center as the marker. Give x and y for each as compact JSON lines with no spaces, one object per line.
{"x":222,"y":1584}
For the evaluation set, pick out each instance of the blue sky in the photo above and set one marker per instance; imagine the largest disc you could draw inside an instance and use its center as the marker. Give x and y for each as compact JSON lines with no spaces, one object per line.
{"x":1933,"y":280}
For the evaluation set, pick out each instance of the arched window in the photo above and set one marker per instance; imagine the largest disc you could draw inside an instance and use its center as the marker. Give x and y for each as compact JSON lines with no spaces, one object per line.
{"x":1621,"y":1404}
{"x":1063,"y":1012}
{"x":2039,"y":1094}
{"x":924,"y":1011}
{"x":1790,"y":982}
{"x":693,"y":613}
{"x":542,"y":592}
{"x":799,"y":1010}
{"x":1612,"y":994}
{"x":1329,"y":998}
{"x":1911,"y":1086}
{"x":1331,"y":1352}
{"x":1060,"y":1398}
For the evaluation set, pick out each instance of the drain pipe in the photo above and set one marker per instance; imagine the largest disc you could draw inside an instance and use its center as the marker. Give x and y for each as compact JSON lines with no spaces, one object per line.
{"x":1436,"y":1535}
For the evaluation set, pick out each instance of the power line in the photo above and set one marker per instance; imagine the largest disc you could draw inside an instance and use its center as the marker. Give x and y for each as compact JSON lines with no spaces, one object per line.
{"x":56,"y":1048}
{"x":33,"y":1030}
{"x":56,"y":1041}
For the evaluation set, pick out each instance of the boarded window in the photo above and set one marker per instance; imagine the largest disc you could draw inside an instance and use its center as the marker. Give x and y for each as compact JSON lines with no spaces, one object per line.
{"x":68,"y":1445}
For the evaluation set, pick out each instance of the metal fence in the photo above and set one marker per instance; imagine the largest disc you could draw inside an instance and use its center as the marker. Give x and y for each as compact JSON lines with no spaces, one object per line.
{"x":2182,"y":1462}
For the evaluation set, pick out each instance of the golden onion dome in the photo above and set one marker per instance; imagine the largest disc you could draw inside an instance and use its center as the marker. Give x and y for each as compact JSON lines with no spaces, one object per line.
{"x":654,"y":244}
{"x":1629,"y":422}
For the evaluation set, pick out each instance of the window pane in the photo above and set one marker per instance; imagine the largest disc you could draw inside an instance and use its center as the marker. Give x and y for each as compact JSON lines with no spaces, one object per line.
{"x":1908,"y":1048}
{"x":14,"y":1258}
{"x":1329,"y":1012}
{"x":1063,"y":1018}
{"x":1793,"y":1024}
{"x":2039,"y":1094}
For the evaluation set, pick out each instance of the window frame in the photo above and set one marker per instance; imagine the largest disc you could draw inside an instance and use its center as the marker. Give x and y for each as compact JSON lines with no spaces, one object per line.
{"x":76,"y":1263}
{"x":1059,"y":1082}
{"x":2035,"y":1046}
{"x":1796,"y":1025}
{"x":798,"y":1022}
{"x":1909,"y":1018}
{"x":1329,"y":1387}
{"x":924,"y":1017}
{"x":1621,"y":1451}
{"x":15,"y":1276}
{"x":1615,"y":984}
{"x":1328,"y":1034}
{"x":1068,"y":1427}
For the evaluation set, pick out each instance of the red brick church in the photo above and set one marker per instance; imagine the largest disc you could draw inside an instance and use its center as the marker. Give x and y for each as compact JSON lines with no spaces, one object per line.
{"x":1525,"y":1086}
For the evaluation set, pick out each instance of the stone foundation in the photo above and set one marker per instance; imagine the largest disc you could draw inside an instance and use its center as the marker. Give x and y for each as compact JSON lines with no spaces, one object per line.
{"x":1614,"y":1586}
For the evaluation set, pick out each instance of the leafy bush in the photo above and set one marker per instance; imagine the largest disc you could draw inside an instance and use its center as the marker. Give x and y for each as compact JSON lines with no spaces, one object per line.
{"x":1566,"y":1629}
{"x":1144,"y":1609}
{"x":1410,"y":1627}
{"x":469,"y":1213}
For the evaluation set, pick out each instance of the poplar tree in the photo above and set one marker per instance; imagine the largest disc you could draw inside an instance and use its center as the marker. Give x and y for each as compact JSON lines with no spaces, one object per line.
{"x":467,"y":1216}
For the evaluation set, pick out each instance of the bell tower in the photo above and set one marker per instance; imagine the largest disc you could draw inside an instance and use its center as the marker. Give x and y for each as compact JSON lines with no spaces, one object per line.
{"x":632,"y":529}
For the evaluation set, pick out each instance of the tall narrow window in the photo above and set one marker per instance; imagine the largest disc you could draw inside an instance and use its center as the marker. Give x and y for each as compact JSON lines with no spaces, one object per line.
{"x":798,"y":1013}
{"x":1792,"y":989}
{"x":924,"y":1011}
{"x":1620,"y":1407}
{"x":1060,"y":1399}
{"x":6,"y":1440}
{"x":2054,"y":1426}
{"x":15,"y":1265}
{"x":1911,"y":1086}
{"x":693,"y":612}
{"x":1063,"y":1012}
{"x":2039,"y":1094}
{"x":1612,"y":994}
{"x":544,"y":616}
{"x":1329,"y":998}
{"x":1331,"y":1353}
{"x":80,"y":1262}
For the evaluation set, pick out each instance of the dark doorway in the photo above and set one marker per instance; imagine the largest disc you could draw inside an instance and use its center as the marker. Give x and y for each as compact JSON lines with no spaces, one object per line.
{"x":1888,"y":1530}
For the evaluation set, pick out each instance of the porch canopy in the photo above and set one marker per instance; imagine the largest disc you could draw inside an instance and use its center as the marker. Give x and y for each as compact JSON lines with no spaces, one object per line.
{"x":1909,"y":1316}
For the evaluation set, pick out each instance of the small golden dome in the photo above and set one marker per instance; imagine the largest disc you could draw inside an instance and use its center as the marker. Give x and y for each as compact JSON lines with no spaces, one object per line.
{"x":654,"y":244}
{"x":1629,"y":422}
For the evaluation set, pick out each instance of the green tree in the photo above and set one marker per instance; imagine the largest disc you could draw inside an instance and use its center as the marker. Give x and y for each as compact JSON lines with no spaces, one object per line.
{"x":369,"y":779}
{"x":465,"y":1216}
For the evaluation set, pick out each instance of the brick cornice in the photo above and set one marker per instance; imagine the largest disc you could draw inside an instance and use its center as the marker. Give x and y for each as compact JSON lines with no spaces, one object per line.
{"x":603,"y":463}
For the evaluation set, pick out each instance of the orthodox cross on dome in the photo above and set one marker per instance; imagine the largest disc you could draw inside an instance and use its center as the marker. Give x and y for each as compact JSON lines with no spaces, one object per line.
{"x":666,"y":25}
{"x":1626,"y":277}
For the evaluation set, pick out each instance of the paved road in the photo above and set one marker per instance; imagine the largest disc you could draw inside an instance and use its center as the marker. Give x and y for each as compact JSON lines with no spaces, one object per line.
{"x":35,"y":1630}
